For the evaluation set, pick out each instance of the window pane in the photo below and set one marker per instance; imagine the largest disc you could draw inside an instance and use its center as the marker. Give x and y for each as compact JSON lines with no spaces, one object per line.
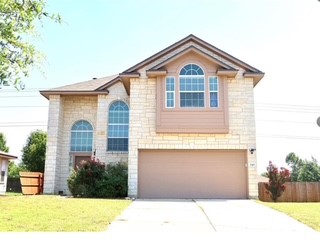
{"x":118,"y":144}
{"x":170,"y":84}
{"x":170,"y":99}
{"x":213,"y":84}
{"x":191,"y":69}
{"x":118,"y":127}
{"x":213,"y":99}
{"x":192,"y":99}
{"x":191,"y":84}
{"x":81,"y":136}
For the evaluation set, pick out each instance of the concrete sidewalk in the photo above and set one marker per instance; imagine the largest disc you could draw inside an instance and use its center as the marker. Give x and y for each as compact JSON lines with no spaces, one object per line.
{"x":207,"y":217}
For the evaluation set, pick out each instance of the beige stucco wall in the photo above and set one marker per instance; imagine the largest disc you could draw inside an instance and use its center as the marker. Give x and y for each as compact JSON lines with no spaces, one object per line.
{"x":64,"y":111}
{"x":143,"y":127}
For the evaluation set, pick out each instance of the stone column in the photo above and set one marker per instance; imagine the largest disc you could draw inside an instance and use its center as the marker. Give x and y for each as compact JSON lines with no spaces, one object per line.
{"x":53,"y":153}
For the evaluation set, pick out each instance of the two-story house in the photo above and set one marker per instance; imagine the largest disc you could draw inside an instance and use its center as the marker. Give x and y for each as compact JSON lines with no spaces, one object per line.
{"x":183,"y":119}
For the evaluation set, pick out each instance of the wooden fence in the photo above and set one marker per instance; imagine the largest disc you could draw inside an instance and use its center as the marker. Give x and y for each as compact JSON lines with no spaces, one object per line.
{"x":295,"y":192}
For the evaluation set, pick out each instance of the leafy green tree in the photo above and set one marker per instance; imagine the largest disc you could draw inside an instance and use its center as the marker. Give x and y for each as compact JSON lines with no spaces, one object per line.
{"x":14,"y":169}
{"x":34,"y":152}
{"x":18,"y":19}
{"x":295,"y":163}
{"x":3,"y":143}
{"x":303,"y":170}
{"x":309,"y":172}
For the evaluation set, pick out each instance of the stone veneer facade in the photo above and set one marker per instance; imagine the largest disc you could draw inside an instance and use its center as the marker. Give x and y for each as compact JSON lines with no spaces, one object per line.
{"x":64,"y":111}
{"x":143,"y":128}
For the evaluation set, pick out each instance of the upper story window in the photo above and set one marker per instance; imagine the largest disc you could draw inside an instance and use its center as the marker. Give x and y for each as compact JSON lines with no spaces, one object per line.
{"x":170,"y":92}
{"x":81,"y":137}
{"x":214,"y":91}
{"x":192,"y":86}
{"x":118,"y":127}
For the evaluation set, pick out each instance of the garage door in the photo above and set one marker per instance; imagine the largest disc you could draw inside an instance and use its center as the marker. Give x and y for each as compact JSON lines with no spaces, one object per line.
{"x":192,"y":174}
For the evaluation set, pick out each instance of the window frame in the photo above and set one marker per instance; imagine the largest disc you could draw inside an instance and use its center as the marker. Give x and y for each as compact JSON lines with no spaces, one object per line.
{"x":118,"y":124}
{"x":214,"y":91}
{"x":170,"y":91}
{"x":75,"y":149}
{"x":192,"y":91}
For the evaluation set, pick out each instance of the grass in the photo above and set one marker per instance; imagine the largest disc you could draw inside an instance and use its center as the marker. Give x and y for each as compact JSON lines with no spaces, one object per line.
{"x":47,"y":213}
{"x":307,"y":213}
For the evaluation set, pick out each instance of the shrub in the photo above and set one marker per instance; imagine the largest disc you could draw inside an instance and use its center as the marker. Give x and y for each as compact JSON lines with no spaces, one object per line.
{"x":84,"y":182}
{"x":115,"y":182}
{"x":93,"y":179}
{"x":275,"y":187}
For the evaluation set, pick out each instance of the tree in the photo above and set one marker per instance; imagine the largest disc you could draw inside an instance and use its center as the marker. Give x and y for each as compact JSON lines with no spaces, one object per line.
{"x":14,"y":169}
{"x":295,"y":163}
{"x":303,"y":170}
{"x":309,"y":172}
{"x":275,"y":187}
{"x":3,"y":143}
{"x":17,"y":24}
{"x":34,"y":152}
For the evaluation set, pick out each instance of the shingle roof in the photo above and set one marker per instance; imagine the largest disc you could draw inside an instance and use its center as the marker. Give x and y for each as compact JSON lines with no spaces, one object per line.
{"x":90,"y":85}
{"x":94,"y":86}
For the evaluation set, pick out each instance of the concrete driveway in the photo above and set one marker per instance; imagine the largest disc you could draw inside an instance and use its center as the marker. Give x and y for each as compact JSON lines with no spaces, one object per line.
{"x":206,"y":216}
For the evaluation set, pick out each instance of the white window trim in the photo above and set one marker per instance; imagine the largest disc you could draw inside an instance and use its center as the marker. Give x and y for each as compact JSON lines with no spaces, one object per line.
{"x":174,"y":92}
{"x":191,"y":91}
{"x":83,"y":131}
{"x":118,"y":124}
{"x":213,"y":91}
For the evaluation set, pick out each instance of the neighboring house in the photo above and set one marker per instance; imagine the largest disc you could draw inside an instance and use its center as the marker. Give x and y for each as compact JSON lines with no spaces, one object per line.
{"x":183,"y":119}
{"x":4,"y":164}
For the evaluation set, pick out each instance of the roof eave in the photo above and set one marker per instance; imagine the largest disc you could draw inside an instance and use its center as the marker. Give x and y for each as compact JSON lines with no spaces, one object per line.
{"x":226,"y":72}
{"x":155,"y":73}
{"x":7,"y":156}
{"x":257,"y":76}
{"x":47,"y":94}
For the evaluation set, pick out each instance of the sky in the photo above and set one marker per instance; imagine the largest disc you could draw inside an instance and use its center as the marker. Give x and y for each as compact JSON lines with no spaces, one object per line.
{"x":99,"y":38}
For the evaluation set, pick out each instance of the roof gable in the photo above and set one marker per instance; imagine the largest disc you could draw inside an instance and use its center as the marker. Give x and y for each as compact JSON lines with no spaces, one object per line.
{"x":191,"y":42}
{"x":154,"y":66}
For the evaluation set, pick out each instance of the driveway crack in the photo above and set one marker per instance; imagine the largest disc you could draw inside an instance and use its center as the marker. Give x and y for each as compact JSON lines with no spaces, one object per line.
{"x":204,"y":212}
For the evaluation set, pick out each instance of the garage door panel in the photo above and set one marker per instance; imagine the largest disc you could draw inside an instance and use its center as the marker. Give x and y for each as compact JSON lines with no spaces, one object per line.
{"x":192,"y":174}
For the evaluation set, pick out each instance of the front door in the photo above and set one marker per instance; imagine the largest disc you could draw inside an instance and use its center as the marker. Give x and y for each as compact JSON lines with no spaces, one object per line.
{"x":79,"y":159}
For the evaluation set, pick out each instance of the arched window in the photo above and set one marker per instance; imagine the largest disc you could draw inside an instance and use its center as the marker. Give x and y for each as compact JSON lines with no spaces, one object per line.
{"x":118,"y":127}
{"x":192,"y":86}
{"x":81,"y":137}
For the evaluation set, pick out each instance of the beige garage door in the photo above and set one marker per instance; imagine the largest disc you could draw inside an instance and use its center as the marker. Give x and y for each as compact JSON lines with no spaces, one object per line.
{"x":192,"y":174}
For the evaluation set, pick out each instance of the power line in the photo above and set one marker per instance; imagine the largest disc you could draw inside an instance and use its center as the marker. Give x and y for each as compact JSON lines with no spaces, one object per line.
{"x":287,"y":105}
{"x":22,"y":91}
{"x":25,"y":125}
{"x":284,"y":121}
{"x":20,"y":96}
{"x":288,"y":110}
{"x":23,"y":106}
{"x":288,"y":136}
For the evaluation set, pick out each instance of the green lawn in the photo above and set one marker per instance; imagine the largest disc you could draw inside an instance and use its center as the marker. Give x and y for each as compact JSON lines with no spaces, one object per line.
{"x":47,"y":213}
{"x":307,"y":213}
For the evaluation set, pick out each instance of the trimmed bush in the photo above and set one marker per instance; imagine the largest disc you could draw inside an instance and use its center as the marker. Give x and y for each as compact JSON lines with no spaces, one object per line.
{"x":95,"y":180}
